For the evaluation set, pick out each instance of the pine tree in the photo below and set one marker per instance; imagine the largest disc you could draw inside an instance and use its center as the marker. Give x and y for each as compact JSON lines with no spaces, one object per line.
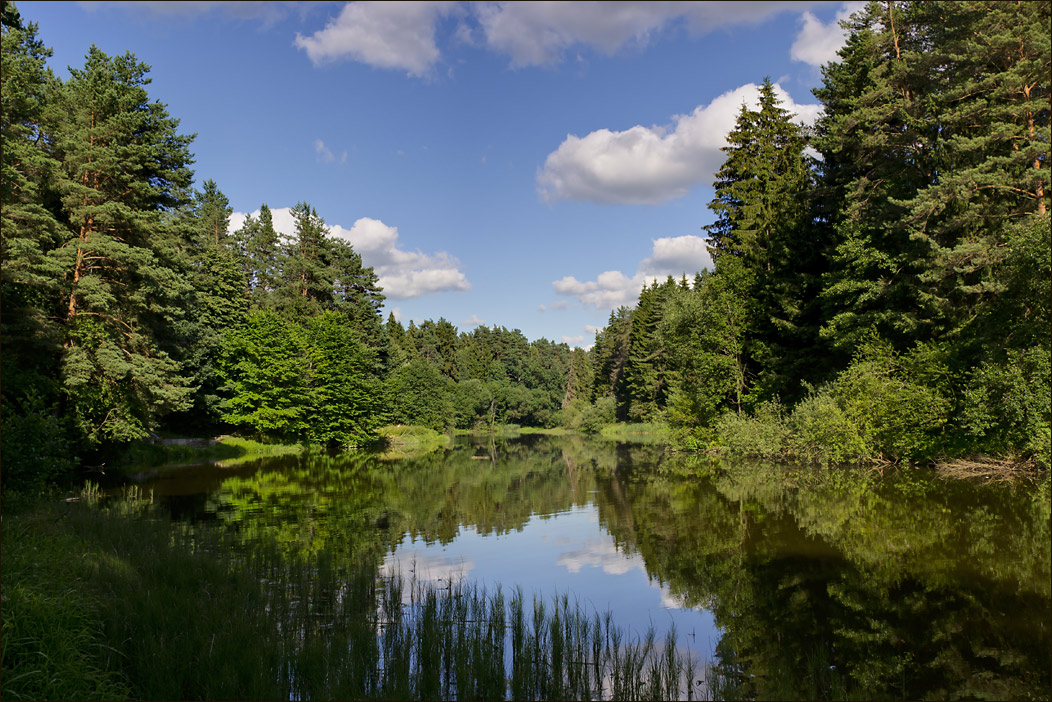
{"x":29,"y":229}
{"x":993,"y":142}
{"x":262,"y":257}
{"x":878,"y":147}
{"x":213,"y":210}
{"x":124,"y":165}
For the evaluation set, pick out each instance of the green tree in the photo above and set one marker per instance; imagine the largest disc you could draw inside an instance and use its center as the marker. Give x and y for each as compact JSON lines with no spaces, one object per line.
{"x":763,"y":218}
{"x":347,"y":402}
{"x":264,"y":369}
{"x":29,"y":230}
{"x":418,"y":396}
{"x":262,"y":257}
{"x":124,"y":166}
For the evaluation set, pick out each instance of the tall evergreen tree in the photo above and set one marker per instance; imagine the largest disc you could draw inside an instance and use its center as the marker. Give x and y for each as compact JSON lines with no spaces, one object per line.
{"x":878,"y":147}
{"x":262,"y":257}
{"x":124,"y":165}
{"x":763,"y":218}
{"x":29,"y":286}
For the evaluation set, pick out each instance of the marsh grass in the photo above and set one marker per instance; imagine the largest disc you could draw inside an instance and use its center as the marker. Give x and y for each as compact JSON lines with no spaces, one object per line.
{"x":117,"y":602}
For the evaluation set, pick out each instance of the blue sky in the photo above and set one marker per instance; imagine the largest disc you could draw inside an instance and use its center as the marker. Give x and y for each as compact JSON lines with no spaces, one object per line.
{"x":525,"y":165}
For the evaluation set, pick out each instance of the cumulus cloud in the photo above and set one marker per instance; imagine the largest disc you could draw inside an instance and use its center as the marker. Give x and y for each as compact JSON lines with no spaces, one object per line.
{"x":817,"y":43}
{"x":399,"y":35}
{"x":474,"y":321}
{"x":675,"y":256}
{"x":652,"y":165}
{"x":539,"y":33}
{"x":402,"y":274}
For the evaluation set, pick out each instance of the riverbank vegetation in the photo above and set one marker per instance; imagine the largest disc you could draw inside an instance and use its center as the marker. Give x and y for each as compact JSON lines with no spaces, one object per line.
{"x":880,"y":289}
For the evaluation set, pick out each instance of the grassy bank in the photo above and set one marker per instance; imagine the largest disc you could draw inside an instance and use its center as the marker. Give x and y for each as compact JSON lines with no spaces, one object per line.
{"x":121,"y":603}
{"x":406,"y":440}
{"x":656,"y":433}
{"x":222,"y":448}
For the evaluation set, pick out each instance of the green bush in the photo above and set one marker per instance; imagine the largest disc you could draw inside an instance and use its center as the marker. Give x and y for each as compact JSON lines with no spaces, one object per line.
{"x":35,"y":449}
{"x":898,"y":403}
{"x":1007,"y":406}
{"x":603,"y":412}
{"x":764,"y":434}
{"x":822,"y":431}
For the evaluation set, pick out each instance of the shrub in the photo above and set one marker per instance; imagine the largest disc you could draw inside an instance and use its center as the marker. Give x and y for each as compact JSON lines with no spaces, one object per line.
{"x":764,"y":434}
{"x":896,"y":402}
{"x":822,"y":431}
{"x":1007,"y":406}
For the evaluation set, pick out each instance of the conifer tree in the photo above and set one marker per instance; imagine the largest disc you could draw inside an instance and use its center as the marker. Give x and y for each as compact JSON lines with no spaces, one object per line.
{"x":29,"y":286}
{"x":124,"y":165}
{"x":762,"y":208}
{"x":262,"y":257}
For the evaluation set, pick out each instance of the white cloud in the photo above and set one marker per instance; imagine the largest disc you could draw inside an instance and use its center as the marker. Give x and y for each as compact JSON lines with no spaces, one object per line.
{"x":474,"y":321}
{"x":675,"y":256}
{"x":572,"y":340}
{"x":398,"y":35}
{"x":539,"y":33}
{"x":402,"y":274}
{"x":817,"y":43}
{"x":682,"y":254}
{"x":652,"y":165}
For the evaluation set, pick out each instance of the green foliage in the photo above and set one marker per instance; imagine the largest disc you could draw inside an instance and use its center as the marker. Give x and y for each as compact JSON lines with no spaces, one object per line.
{"x":823,"y":432}
{"x":35,"y":446}
{"x":899,"y":411}
{"x":1007,"y":407}
{"x":264,"y":370}
{"x":347,"y":402}
{"x":418,"y":396}
{"x":764,"y":434}
{"x":596,"y":416}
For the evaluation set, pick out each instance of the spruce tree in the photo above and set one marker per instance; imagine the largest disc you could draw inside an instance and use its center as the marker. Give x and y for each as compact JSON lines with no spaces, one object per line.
{"x":763,"y":219}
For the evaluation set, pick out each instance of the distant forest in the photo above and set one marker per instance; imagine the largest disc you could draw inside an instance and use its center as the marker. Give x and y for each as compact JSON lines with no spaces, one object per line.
{"x":882,"y":283}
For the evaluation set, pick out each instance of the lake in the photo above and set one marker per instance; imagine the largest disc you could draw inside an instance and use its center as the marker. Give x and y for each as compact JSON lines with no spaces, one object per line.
{"x":790,"y":581}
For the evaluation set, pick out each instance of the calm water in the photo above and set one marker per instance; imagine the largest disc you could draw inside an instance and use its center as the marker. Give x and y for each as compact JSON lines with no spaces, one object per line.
{"x":788,"y":580}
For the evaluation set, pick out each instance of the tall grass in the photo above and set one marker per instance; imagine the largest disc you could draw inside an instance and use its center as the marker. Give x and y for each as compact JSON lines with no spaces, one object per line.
{"x":119,"y":602}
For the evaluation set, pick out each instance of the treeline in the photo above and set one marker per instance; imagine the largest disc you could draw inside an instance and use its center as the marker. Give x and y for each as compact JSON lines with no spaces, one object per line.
{"x":129,"y":305}
{"x":882,"y":281}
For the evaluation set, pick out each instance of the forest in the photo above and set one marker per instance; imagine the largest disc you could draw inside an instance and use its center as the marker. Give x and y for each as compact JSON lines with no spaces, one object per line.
{"x":881,"y":290}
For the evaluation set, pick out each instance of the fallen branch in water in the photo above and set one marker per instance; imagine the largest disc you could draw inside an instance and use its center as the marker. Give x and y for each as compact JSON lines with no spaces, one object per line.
{"x":1002,"y":470}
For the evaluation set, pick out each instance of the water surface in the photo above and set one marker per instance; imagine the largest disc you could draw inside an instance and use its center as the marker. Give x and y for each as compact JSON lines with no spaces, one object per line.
{"x":793,"y":582}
